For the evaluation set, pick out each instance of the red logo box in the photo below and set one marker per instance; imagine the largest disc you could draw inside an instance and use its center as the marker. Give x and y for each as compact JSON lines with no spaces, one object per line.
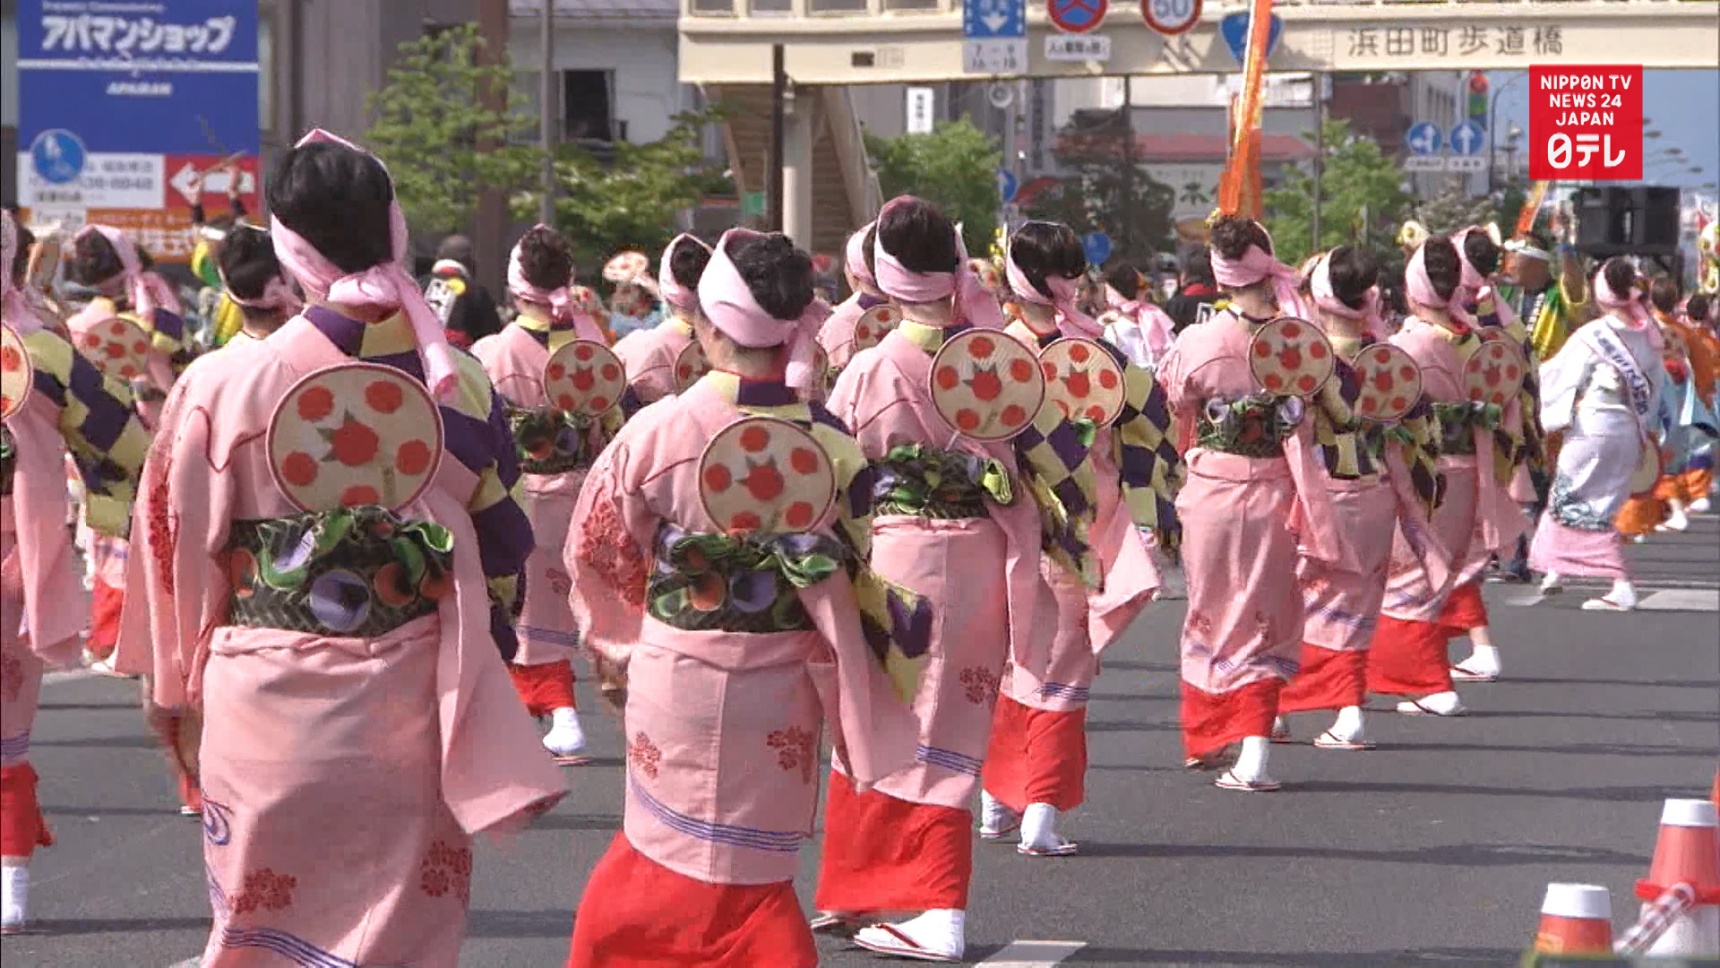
{"x":1585,"y":123}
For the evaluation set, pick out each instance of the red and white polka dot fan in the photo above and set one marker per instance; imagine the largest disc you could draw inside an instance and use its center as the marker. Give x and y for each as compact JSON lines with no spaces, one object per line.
{"x":355,"y":434}
{"x":118,"y":347}
{"x":16,"y":372}
{"x":986,"y":384}
{"x":1083,"y":380}
{"x":762,"y":474}
{"x":1390,"y":383}
{"x":874,"y":324}
{"x":689,"y":366}
{"x":1290,"y":357}
{"x":1494,"y":372}
{"x":584,"y":376}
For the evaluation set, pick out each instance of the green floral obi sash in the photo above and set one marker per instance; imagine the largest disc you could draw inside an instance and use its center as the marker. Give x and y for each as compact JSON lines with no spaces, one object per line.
{"x":1254,"y":426}
{"x":351,"y":573}
{"x":1458,"y":423}
{"x":921,"y":481}
{"x":8,"y":460}
{"x":551,"y":441}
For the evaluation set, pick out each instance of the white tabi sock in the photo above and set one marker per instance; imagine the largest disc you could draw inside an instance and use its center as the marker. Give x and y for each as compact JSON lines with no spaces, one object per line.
{"x":1039,"y":826}
{"x":14,"y":895}
{"x":565,"y":735}
{"x":1251,"y":762}
{"x":1485,"y":659}
{"x":994,"y":817}
{"x":1443,"y":703}
{"x":1623,"y":593}
{"x":1349,"y":725}
{"x":943,"y":930}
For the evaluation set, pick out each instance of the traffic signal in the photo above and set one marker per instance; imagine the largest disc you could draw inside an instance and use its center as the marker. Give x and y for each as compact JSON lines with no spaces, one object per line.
{"x":1477,"y":98}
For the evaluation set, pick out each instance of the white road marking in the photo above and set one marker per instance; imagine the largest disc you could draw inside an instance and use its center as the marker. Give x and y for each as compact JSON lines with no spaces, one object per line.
{"x":188,"y":963}
{"x":68,"y":675}
{"x":1033,"y":954}
{"x":1682,"y":600}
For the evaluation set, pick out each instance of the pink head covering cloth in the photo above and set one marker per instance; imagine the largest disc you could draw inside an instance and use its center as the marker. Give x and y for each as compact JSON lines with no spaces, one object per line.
{"x":854,"y":256}
{"x":972,"y":303}
{"x":1419,"y":286}
{"x":1631,"y":306}
{"x":1255,"y":266}
{"x":14,"y":308}
{"x":1327,"y":300}
{"x":676,"y":295}
{"x":728,"y":303}
{"x":1065,"y":298}
{"x":386,"y":286}
{"x":145,"y":289}
{"x":278,"y":295}
{"x":563,"y":308}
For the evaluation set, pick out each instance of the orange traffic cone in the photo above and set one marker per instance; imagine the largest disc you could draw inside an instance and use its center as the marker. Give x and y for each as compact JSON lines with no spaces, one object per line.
{"x":1687,"y":852}
{"x":1576,"y":919}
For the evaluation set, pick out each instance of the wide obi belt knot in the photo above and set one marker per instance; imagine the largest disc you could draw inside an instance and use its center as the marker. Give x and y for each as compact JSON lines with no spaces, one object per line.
{"x":738,"y":583}
{"x":925,"y":482}
{"x":551,"y":441}
{"x":1253,"y":426}
{"x":8,"y":459}
{"x":1376,"y":436}
{"x":1458,"y":423}
{"x":352,"y":572}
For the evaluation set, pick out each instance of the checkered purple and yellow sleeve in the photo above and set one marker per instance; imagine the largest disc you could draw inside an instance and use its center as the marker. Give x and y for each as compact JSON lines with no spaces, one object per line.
{"x":103,"y":432}
{"x":1053,"y":455}
{"x":1144,"y":447}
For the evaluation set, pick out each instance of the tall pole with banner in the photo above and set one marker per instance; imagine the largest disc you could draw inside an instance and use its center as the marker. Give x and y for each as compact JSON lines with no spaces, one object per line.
{"x":1239,"y":186}
{"x":130,"y":119}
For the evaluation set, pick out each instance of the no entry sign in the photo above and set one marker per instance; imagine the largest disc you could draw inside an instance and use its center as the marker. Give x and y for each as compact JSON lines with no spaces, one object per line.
{"x":1585,"y":123}
{"x":1077,"y":16}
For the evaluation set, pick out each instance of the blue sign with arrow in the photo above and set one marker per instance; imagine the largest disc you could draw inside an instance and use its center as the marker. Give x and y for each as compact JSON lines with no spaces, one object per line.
{"x":1424,"y":138}
{"x":1234,"y":29}
{"x":1006,"y":185}
{"x":1467,"y":138}
{"x":1097,"y":245}
{"x":994,"y":19}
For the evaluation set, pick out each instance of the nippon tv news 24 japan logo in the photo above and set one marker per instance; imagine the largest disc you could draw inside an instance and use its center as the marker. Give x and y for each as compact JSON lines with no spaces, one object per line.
{"x":1585,"y":123}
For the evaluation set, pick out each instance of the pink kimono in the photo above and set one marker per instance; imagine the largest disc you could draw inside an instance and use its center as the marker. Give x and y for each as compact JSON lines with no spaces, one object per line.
{"x":836,"y":335}
{"x":907,"y":846}
{"x":1254,"y":494}
{"x":726,"y":701}
{"x":344,"y":775}
{"x":1477,"y":520}
{"x":649,"y":356}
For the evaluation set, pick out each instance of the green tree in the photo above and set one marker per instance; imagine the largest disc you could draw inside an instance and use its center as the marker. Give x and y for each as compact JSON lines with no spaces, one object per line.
{"x":1104,"y":193}
{"x":954,"y":167}
{"x":635,"y":199}
{"x":1362,"y":200}
{"x":1453,"y":208}
{"x":445,"y":146}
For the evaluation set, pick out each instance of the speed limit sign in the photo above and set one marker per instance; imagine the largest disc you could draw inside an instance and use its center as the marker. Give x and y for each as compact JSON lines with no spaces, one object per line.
{"x":1171,"y":17}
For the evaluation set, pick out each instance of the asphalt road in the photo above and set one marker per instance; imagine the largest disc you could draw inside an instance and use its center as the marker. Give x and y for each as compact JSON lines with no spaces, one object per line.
{"x":1435,"y":848}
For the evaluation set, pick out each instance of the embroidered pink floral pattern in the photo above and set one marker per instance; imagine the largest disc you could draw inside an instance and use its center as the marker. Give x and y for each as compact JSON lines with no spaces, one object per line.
{"x":11,"y":677}
{"x":162,"y":536}
{"x":980,"y":684}
{"x":1263,"y":625}
{"x":793,"y":749}
{"x":606,"y":545}
{"x":447,"y":869}
{"x":559,"y":582}
{"x":265,"y":890}
{"x":1200,"y":624}
{"x":643,"y":755}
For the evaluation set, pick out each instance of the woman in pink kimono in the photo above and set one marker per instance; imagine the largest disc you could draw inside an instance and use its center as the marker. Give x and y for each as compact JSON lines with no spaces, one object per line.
{"x":958,"y":527}
{"x":540,"y":269}
{"x":1253,"y":496}
{"x":836,"y":335}
{"x":105,"y":259}
{"x":1035,"y":768}
{"x":1137,"y":326}
{"x":362,"y":727}
{"x":1477,"y":517}
{"x":54,"y":401}
{"x":740,"y":641}
{"x":1376,"y":473}
{"x":650,"y":355}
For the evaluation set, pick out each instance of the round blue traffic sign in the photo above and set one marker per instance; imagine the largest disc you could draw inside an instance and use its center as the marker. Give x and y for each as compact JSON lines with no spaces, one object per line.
{"x":1076,"y":16}
{"x":58,"y":156}
{"x":1097,"y":245}
{"x":1006,"y":185}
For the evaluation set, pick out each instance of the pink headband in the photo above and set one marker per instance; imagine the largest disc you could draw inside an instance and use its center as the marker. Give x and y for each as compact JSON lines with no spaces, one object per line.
{"x":1065,"y":298}
{"x":145,"y":289}
{"x":855,"y":256}
{"x":1327,"y":300}
{"x":386,"y":287}
{"x":728,"y":303}
{"x":972,"y":303}
{"x":1630,"y":305}
{"x":278,"y":295}
{"x":675,"y":294}
{"x":563,"y":308}
{"x":1421,"y":291}
{"x":14,"y":307}
{"x":1258,"y":265}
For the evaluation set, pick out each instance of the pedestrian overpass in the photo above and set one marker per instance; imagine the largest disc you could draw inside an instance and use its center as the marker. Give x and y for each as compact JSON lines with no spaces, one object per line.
{"x":726,"y":46}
